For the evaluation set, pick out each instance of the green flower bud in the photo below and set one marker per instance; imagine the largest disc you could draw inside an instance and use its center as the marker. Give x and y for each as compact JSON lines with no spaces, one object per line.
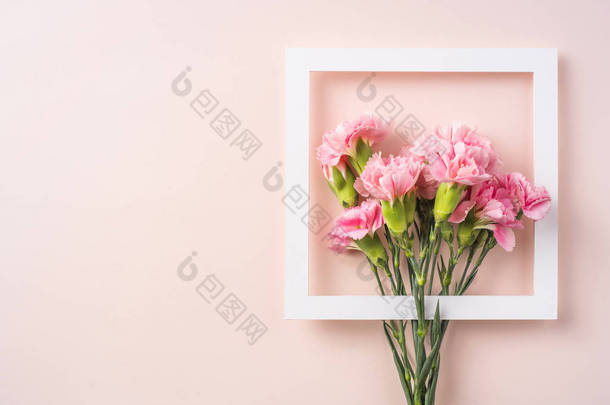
{"x":343,"y":187}
{"x":447,"y":231}
{"x":362,"y":155}
{"x":466,"y":233}
{"x":466,"y":236}
{"x":480,"y":240}
{"x":373,"y":249}
{"x":400,"y":213}
{"x":394,"y":215}
{"x":447,"y":198}
{"x":409,"y":202}
{"x":406,"y":244}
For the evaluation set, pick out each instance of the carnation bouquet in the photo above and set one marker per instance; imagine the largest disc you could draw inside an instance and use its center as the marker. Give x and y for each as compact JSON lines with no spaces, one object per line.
{"x":433,"y":209}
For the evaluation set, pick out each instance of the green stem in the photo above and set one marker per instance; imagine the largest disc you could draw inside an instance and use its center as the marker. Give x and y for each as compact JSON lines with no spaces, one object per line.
{"x":453,"y":260}
{"x":393,"y":248}
{"x":471,"y":252}
{"x":403,"y":346}
{"x":406,"y":387}
{"x":430,"y":395}
{"x":416,"y":229}
{"x":431,"y":242}
{"x":475,"y":269}
{"x":435,"y":253}
{"x":421,"y":350}
{"x":388,"y":273}
{"x":415,"y":266}
{"x":374,"y":270}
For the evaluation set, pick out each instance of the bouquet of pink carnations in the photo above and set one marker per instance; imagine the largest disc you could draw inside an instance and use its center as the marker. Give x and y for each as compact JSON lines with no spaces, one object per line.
{"x":400,"y":209}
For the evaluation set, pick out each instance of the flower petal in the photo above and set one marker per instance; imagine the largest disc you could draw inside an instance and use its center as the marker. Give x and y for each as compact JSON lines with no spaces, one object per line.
{"x":460,"y":212}
{"x":505,"y":237}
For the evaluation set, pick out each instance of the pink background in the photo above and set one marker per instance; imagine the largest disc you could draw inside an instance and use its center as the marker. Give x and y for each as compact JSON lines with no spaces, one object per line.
{"x":109,"y":180}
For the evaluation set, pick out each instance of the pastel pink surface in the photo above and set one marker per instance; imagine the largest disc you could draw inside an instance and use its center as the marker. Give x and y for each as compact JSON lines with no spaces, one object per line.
{"x":109,"y":180}
{"x":498,"y":104}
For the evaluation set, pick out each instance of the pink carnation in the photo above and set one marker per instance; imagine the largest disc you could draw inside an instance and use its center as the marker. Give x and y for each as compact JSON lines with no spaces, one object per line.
{"x":534,"y":201}
{"x":327,"y":170}
{"x":462,"y":156}
{"x":426,"y":185}
{"x":362,"y":220}
{"x":327,"y":155}
{"x":339,"y":241}
{"x":494,"y":210}
{"x":389,"y":178}
{"x":343,"y":139}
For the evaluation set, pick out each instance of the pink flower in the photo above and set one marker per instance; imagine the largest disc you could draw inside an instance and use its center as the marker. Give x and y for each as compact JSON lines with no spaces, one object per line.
{"x":534,"y":201}
{"x":505,"y":237}
{"x":369,"y":128}
{"x":494,"y":210}
{"x":343,"y":139}
{"x":426,"y":185}
{"x":327,"y":155}
{"x":339,"y":241}
{"x":362,"y":220}
{"x":389,"y":178}
{"x":462,"y":156}
{"x":501,"y":210}
{"x":327,"y":170}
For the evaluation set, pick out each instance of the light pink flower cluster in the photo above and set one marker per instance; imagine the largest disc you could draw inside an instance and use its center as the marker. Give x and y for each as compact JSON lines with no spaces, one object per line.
{"x":390,"y":178}
{"x":463,"y":156}
{"x":342,"y":140}
{"x":497,"y":204}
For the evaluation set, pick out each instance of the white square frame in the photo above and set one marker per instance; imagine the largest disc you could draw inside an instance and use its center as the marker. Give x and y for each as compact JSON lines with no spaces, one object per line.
{"x":542,"y":62}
